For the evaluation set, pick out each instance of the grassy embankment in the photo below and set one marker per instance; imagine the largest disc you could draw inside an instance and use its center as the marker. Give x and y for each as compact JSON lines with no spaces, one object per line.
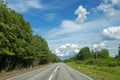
{"x":101,"y":69}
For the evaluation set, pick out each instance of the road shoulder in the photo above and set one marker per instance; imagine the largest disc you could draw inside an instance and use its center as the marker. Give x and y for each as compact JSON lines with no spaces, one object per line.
{"x":6,"y":75}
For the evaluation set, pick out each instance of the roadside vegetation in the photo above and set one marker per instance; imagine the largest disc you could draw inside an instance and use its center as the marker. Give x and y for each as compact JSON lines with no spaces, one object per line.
{"x":19,"y":47}
{"x":96,"y":64}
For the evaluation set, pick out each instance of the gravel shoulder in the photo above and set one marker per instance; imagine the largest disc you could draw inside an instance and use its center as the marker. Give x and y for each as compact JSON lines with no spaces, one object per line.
{"x":6,"y":75}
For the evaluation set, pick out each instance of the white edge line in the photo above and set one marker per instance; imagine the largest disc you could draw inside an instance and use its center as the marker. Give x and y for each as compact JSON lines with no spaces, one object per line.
{"x":30,"y":72}
{"x":24,"y":74}
{"x":84,"y":75}
{"x":81,"y":73}
{"x":19,"y":75}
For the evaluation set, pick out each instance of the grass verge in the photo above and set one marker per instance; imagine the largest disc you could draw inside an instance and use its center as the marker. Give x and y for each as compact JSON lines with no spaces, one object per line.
{"x":98,"y":72}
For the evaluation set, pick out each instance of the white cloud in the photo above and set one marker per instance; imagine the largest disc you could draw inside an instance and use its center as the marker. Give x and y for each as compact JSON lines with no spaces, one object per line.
{"x":100,"y":45}
{"x":109,"y":7}
{"x":86,"y":33}
{"x":66,"y":50}
{"x":111,"y":45}
{"x":81,"y":12}
{"x":72,"y":26}
{"x":50,"y":16}
{"x":70,"y":31}
{"x":24,"y":5}
{"x":112,"y":32}
{"x":116,"y":1}
{"x":89,"y":33}
{"x":69,"y":26}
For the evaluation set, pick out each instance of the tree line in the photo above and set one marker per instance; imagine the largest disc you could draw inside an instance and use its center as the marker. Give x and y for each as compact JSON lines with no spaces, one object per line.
{"x":85,"y":53}
{"x":95,"y":57}
{"x":19,"y":47}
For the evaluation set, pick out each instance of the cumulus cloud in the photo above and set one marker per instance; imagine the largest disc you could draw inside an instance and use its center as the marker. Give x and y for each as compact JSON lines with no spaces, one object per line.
{"x":112,"y":32}
{"x":100,"y":45}
{"x":70,"y":26}
{"x":81,"y":12}
{"x":66,"y":50}
{"x":24,"y":5}
{"x":110,"y":7}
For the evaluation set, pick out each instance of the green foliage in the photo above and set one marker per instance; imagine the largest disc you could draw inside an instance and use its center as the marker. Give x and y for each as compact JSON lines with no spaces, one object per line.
{"x":53,"y":58}
{"x":84,"y":54}
{"x":104,"y":53}
{"x":91,"y":61}
{"x":97,"y":64}
{"x":98,"y":72}
{"x":79,"y":62}
{"x":19,"y":48}
{"x":69,"y":60}
{"x":109,"y":62}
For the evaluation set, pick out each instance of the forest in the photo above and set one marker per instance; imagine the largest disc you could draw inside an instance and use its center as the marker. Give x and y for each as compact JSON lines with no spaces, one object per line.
{"x":19,"y":47}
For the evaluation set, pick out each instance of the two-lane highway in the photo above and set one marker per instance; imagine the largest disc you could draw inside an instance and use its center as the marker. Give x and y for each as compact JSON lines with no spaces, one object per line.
{"x":58,"y":71}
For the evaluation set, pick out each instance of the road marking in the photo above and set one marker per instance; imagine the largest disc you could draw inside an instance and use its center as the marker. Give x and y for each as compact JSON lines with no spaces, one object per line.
{"x":55,"y":69}
{"x":51,"y":77}
{"x":85,"y":75}
{"x":81,"y":73}
{"x":53,"y":72}
{"x":27,"y":73}
{"x":20,"y":75}
{"x":23,"y":74}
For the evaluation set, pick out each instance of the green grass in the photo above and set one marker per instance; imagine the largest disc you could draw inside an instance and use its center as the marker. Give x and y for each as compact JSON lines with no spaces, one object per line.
{"x":98,"y":72}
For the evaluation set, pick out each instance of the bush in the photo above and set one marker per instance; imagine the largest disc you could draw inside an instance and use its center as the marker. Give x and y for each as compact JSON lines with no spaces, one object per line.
{"x":103,"y":62}
{"x":112,"y":64}
{"x":91,"y":61}
{"x":79,"y":62}
{"x":108,"y":62}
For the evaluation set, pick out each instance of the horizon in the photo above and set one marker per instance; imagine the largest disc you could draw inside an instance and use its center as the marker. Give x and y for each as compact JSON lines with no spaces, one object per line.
{"x":73,"y":23}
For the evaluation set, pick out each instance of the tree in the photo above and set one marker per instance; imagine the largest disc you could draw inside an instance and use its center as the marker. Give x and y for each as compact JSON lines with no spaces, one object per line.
{"x":84,"y":54}
{"x":104,"y":53}
{"x":19,"y":48}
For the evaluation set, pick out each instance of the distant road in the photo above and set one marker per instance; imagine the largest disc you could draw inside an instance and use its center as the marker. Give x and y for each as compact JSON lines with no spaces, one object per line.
{"x":58,"y":71}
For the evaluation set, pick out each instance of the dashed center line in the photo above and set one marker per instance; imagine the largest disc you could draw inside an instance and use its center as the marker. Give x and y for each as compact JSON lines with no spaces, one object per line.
{"x":50,"y":78}
{"x":55,"y":69}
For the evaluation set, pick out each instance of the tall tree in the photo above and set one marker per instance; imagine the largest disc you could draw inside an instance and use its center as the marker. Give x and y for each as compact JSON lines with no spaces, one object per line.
{"x":104,"y":53}
{"x":83,"y":54}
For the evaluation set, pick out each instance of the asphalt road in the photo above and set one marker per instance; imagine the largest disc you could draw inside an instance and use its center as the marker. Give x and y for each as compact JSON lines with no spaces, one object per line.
{"x":58,"y":71}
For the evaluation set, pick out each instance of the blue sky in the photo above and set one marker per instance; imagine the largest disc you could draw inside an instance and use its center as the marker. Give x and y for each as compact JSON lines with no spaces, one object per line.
{"x":93,"y":23}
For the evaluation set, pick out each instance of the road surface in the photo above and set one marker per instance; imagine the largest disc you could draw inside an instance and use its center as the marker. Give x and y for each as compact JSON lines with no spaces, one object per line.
{"x":58,"y":71}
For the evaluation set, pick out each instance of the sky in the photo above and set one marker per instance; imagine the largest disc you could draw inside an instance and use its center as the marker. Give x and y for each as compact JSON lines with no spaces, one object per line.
{"x":68,"y":25}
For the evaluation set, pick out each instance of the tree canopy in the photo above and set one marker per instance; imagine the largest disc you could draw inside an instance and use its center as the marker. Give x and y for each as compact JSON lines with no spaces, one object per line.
{"x":18,"y":46}
{"x":83,"y":54}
